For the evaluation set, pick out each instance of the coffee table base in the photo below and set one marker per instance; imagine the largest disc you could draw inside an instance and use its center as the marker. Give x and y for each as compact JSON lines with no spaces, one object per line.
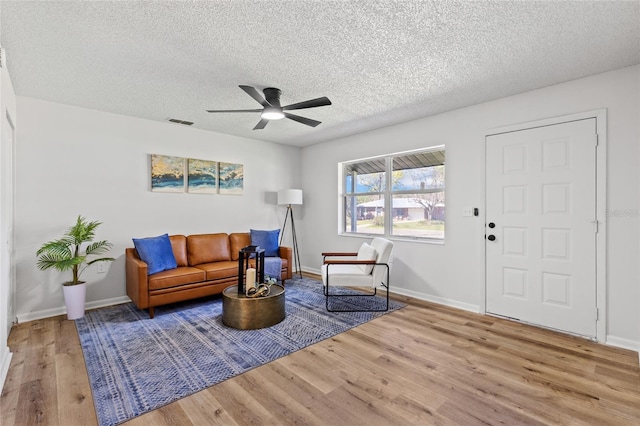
{"x":246,"y":313}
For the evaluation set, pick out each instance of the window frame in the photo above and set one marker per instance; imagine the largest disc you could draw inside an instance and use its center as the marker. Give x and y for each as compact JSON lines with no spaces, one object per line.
{"x":387,"y":193}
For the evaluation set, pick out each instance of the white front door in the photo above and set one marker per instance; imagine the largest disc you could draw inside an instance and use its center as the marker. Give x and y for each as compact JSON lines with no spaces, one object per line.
{"x":541,"y":226}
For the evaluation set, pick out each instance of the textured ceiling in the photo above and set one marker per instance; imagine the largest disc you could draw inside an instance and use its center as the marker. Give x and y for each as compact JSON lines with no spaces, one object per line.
{"x":380,"y":62}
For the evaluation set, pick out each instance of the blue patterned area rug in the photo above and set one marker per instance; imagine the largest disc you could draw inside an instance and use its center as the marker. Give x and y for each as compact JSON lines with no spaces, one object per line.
{"x":137,"y":364}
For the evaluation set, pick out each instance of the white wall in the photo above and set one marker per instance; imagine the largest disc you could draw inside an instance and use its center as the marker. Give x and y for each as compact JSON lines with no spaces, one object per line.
{"x":453,"y":273}
{"x":7,"y":109}
{"x":74,"y":161}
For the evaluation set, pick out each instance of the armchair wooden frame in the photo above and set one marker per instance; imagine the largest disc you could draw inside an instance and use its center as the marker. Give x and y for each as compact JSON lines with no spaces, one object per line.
{"x":330,"y":262}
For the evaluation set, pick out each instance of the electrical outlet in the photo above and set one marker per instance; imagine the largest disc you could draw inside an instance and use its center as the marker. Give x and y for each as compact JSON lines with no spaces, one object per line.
{"x":467,"y":211}
{"x":101,"y":267}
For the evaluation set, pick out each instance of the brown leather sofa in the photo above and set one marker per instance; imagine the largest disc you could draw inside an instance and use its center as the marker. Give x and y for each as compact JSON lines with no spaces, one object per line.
{"x":207,"y":264}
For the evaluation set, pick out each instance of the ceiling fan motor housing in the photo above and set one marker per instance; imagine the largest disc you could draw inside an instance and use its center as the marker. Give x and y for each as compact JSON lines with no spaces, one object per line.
{"x":272,"y":110}
{"x":272,"y":95}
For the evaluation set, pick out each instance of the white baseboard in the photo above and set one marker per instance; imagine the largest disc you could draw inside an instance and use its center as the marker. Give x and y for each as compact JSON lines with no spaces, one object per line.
{"x":310,"y":270}
{"x":436,"y":299}
{"x":620,"y":342}
{"x":45,"y":313}
{"x":420,"y":296}
{"x":108,"y":302}
{"x":48,"y":313}
{"x":5,"y":361}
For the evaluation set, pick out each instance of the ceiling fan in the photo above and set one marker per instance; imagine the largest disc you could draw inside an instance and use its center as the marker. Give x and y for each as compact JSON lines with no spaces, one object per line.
{"x":273,"y":111}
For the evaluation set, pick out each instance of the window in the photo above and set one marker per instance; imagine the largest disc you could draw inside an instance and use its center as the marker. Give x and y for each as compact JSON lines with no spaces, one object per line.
{"x":409,"y":184}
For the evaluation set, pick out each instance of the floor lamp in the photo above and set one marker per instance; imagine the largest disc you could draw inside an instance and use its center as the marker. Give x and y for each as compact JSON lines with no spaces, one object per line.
{"x":291,"y":197}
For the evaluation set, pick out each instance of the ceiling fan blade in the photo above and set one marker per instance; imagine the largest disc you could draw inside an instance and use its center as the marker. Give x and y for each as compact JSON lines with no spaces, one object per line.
{"x":312,"y":103}
{"x":234,"y":110}
{"x":303,"y":120}
{"x":261,"y":124}
{"x":251,"y":91}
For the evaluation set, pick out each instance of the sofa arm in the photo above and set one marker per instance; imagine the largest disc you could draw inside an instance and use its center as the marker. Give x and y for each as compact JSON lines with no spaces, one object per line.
{"x":137,"y":282}
{"x":287,"y":253}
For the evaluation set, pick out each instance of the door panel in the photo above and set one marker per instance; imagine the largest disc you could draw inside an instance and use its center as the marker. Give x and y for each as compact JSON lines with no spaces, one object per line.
{"x":541,"y":196}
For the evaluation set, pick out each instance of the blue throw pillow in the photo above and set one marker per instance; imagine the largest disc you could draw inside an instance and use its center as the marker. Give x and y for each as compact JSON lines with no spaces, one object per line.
{"x":267,"y":240}
{"x":156,"y":252}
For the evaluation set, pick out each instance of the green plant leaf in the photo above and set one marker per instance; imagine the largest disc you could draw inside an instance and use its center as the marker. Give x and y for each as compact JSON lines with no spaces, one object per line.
{"x":60,"y":263}
{"x":97,"y":248}
{"x":102,"y":259}
{"x":64,"y":254}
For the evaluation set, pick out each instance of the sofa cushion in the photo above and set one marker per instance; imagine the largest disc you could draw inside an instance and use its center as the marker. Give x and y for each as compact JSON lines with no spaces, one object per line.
{"x":156,"y":252}
{"x":220,"y":270}
{"x":207,"y":248}
{"x":179,"y":246}
{"x":176,"y":277}
{"x":238,"y":241}
{"x":267,"y":240}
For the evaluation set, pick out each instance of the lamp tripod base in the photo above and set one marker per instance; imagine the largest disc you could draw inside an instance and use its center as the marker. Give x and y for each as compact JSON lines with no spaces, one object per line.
{"x":296,"y":252}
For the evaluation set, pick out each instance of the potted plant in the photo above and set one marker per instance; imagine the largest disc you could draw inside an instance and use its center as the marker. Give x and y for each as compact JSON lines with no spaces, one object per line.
{"x":67,"y":254}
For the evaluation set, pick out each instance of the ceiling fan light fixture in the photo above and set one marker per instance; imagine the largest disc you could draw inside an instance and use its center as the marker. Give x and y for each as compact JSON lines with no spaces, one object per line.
{"x":271,"y":113}
{"x":272,"y":110}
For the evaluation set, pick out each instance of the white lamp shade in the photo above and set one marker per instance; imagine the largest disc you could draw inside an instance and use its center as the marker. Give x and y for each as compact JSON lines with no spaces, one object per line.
{"x":290,"y":196}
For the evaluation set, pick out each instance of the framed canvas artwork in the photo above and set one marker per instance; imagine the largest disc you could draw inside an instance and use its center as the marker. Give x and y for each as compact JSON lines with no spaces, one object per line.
{"x":202,"y":177}
{"x":167,"y":173}
{"x":230,"y":178}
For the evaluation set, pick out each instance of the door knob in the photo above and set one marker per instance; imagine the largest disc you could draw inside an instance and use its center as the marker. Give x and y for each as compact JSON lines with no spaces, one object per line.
{"x":491,"y":238}
{"x":492,"y":225}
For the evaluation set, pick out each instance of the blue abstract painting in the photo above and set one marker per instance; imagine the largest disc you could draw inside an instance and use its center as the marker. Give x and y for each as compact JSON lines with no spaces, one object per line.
{"x":231,"y":178}
{"x":202,"y":177}
{"x":167,"y":173}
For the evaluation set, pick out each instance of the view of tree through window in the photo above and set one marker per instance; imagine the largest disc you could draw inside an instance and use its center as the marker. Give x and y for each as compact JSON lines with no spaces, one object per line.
{"x":410,"y":185}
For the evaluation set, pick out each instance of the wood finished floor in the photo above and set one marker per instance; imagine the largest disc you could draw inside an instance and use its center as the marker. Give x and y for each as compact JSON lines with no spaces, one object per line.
{"x":424,"y":364}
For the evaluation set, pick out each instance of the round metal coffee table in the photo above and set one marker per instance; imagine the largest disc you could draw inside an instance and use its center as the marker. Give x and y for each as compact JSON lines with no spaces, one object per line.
{"x":247,"y":313}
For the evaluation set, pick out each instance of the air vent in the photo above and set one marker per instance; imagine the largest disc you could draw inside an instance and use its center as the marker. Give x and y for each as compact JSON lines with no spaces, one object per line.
{"x":175,"y":120}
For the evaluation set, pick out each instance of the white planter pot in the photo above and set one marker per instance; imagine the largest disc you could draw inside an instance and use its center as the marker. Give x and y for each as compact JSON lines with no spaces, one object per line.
{"x":74,"y":297}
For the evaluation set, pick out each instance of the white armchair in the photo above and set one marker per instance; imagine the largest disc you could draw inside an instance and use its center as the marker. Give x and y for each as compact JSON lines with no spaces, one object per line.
{"x":370,"y":267}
